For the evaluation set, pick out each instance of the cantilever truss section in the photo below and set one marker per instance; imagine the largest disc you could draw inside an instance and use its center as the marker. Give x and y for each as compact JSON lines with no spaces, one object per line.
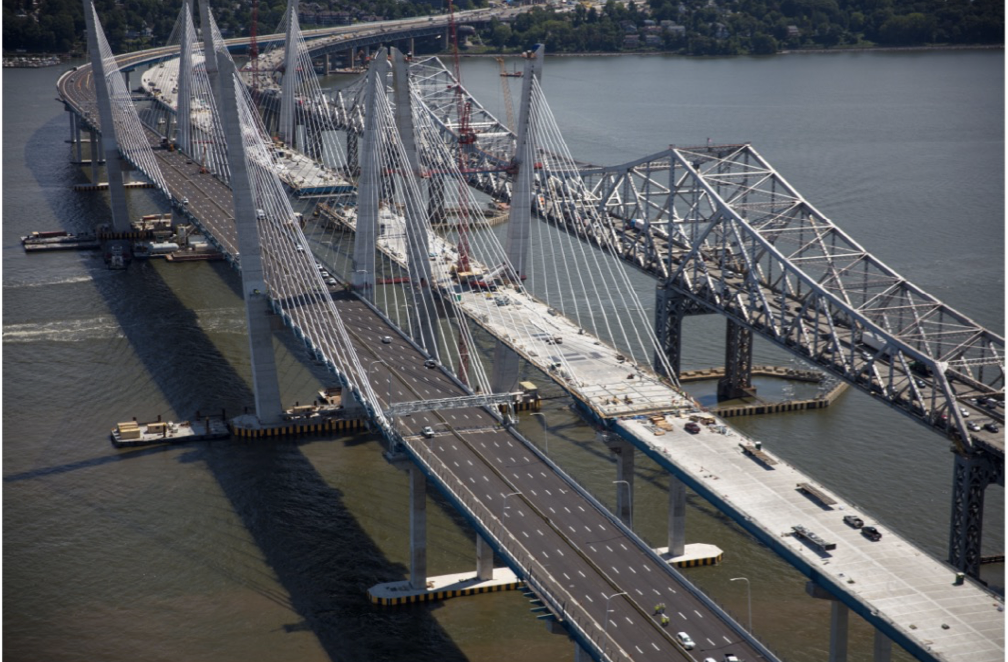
{"x":719,"y":225}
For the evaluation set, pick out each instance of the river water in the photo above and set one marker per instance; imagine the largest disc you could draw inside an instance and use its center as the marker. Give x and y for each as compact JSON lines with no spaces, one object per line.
{"x":265,"y":551}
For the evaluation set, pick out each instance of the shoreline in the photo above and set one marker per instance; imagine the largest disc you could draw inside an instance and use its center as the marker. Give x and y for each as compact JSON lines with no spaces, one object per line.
{"x":798,"y":51}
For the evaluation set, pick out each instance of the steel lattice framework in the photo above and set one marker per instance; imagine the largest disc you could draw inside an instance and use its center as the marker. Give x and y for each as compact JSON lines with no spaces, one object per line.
{"x":721,"y":227}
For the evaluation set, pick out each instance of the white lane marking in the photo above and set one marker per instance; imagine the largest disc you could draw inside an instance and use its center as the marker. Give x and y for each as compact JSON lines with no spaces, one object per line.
{"x":561,"y":552}
{"x":472,"y":480}
{"x":609,"y":548}
{"x":628,"y":620}
{"x":639,"y":592}
{"x":551,"y":509}
{"x":698,"y":613}
{"x":683,"y":617}
{"x":589,"y":598}
{"x":632,"y":570}
{"x":470,"y":462}
{"x":540,"y":533}
{"x":711,"y":642}
{"x":638,"y":649}
{"x":582,"y":574}
{"x":726,"y":639}
{"x":566,"y":575}
{"x":567,"y":509}
{"x":571,"y":528}
{"x":485,"y":478}
{"x":548,"y":493}
{"x":582,"y":509}
{"x":455,"y":463}
{"x":533,"y":493}
{"x":616,"y":569}
{"x":587,"y":529}
{"x":655,"y":646}
{"x":624,"y":547}
{"x":647,"y":568}
{"x":525,"y":534}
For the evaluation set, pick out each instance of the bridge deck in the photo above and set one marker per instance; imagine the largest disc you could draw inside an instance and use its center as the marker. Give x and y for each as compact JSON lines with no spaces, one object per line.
{"x":891,"y":583}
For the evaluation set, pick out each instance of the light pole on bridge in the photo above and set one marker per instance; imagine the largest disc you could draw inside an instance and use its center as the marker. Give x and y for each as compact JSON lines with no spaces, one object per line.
{"x":629,"y":498}
{"x":504,"y":509}
{"x":748,"y":595}
{"x":605,"y":628}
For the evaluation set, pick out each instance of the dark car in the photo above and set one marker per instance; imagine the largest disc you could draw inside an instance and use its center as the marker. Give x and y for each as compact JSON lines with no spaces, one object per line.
{"x":692,"y":428}
{"x":871,"y":533}
{"x":991,"y":427}
{"x":854,"y":521}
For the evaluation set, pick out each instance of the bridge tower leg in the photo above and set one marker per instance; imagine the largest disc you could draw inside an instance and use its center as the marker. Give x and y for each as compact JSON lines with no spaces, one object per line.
{"x":737,"y":382}
{"x":418,"y":528}
{"x":109,"y":144}
{"x":417,"y":247}
{"x":257,"y":308}
{"x":366,"y":237}
{"x":209,"y":53}
{"x":506,"y":363}
{"x":677,"y":517}
{"x":289,"y":81}
{"x":971,"y":476}
{"x":183,"y":115}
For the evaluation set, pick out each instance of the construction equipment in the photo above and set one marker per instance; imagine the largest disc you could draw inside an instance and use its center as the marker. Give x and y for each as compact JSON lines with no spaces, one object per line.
{"x":506,"y":89}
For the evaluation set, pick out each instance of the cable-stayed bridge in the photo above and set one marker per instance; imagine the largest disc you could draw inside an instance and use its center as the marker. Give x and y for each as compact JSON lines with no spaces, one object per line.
{"x":409,"y":175}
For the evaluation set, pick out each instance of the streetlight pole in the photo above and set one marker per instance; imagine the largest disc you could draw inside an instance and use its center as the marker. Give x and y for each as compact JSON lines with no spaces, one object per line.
{"x":748,"y":595}
{"x":629,"y":498}
{"x":545,"y":431}
{"x":505,"y":502}
{"x":605,"y":627}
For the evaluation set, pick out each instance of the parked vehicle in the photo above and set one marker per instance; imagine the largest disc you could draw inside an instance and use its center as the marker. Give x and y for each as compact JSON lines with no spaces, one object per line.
{"x":692,"y":428}
{"x":871,"y":533}
{"x":853,"y":521}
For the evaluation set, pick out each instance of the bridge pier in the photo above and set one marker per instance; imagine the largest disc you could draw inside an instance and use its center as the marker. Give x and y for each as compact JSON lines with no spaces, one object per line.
{"x":737,"y":382}
{"x":418,"y":529}
{"x":484,"y":559}
{"x":670,"y":309}
{"x":971,"y":476}
{"x":677,"y":517}
{"x":625,"y":459}
{"x":839,"y":626}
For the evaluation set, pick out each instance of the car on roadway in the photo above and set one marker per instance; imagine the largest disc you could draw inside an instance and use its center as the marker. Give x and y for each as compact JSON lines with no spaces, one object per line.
{"x":853,"y":521}
{"x":991,"y":427}
{"x":430,"y":363}
{"x":871,"y":533}
{"x":730,"y":657}
{"x":692,"y":428}
{"x":973,"y":426}
{"x":386,"y":340}
{"x":185,"y":202}
{"x":427,"y":431}
{"x":685,"y":640}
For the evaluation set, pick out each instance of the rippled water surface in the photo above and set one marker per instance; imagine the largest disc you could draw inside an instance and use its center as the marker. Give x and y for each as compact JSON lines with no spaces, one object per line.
{"x":265,"y":551}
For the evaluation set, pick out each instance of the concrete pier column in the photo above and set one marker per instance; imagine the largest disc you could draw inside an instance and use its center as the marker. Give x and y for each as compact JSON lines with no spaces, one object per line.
{"x":882,"y":650}
{"x":126,"y":78}
{"x":677,"y":517}
{"x":625,"y":456}
{"x":838,"y":632}
{"x":353,"y":57}
{"x":484,"y":559}
{"x":580,"y":654}
{"x":839,"y":617}
{"x":328,"y":65}
{"x":418,"y":529}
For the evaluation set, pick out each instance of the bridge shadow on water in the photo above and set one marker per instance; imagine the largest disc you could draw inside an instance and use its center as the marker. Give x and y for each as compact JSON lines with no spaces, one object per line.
{"x":322,"y":557}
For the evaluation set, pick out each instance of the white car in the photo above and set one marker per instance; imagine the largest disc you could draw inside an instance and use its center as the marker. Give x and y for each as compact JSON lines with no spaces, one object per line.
{"x":685,"y":640}
{"x":427,"y":431}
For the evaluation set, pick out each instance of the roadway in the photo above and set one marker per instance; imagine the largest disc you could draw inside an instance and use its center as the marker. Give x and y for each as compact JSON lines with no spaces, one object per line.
{"x":585,"y":553}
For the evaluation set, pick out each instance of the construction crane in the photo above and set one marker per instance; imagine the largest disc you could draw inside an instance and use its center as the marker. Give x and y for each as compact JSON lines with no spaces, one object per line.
{"x":506,"y":89}
{"x":253,"y":51}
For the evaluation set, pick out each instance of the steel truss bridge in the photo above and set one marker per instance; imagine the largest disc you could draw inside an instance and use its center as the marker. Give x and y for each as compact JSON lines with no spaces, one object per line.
{"x":720,"y":229}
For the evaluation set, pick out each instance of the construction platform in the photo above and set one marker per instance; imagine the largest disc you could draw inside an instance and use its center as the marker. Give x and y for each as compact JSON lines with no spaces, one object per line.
{"x":443,"y":587}
{"x":694,"y":555}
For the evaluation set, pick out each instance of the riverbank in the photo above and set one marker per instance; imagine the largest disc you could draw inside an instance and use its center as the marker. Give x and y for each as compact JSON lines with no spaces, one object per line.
{"x":797,"y":51}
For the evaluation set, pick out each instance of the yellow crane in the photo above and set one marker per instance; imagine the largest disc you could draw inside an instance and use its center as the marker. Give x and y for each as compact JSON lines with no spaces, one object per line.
{"x":508,"y":105}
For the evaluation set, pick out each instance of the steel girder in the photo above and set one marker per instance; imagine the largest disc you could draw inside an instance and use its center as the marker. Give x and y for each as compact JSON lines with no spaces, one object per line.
{"x":971,"y":476}
{"x":719,"y":224}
